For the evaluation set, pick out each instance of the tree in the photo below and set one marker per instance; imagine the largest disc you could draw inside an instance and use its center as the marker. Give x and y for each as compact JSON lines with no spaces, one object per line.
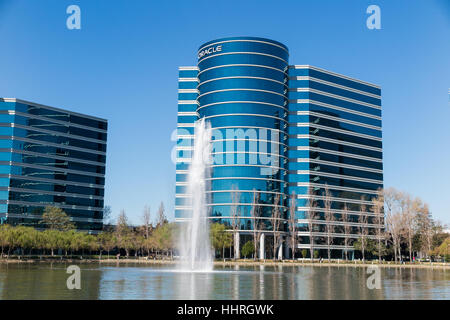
{"x":123,"y":233}
{"x":363,"y":229}
{"x":347,"y":228}
{"x":5,"y":230}
{"x":235,"y":214}
{"x":276,"y":218}
{"x":256,"y":216}
{"x":248,"y":249}
{"x":106,"y":216}
{"x":304,"y":253}
{"x":394,"y":223}
{"x":293,"y":224}
{"x":146,"y":219}
{"x":55,"y":218}
{"x":311,"y":217}
{"x":162,"y":220}
{"x":377,"y":209}
{"x":410,"y":207}
{"x":329,"y":219}
{"x":220,"y":238}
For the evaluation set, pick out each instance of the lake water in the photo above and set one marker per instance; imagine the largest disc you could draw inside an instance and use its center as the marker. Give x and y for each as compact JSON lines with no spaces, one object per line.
{"x":139,"y":281}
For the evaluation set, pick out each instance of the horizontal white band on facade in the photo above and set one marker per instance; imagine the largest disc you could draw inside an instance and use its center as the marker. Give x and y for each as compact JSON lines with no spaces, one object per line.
{"x":246,"y":178}
{"x":348,"y":132}
{"x":242,"y":89}
{"x":188,"y":91}
{"x":245,"y":114}
{"x":333,"y":247}
{"x":333,"y":107}
{"x":183,"y":160}
{"x":247,"y":165}
{"x":252,"y":140}
{"x":53,"y":204}
{"x":342,"y":223}
{"x":249,"y":102}
{"x":335,"y":96}
{"x":241,"y":52}
{"x":186,"y":195}
{"x":241,"y":65}
{"x":188,"y":80}
{"x":338,"y":211}
{"x":188,"y":113}
{"x":52,"y":156}
{"x":339,"y":165}
{"x":323,"y":116}
{"x":306,"y":66}
{"x":250,"y":152}
{"x":53,"y":181}
{"x":51,"y":120}
{"x":64,"y":111}
{"x":50,"y":132}
{"x":45,"y":192}
{"x":242,"y":40}
{"x":241,"y":77}
{"x":51,"y":168}
{"x":251,"y":127}
{"x":332,"y":84}
{"x":331,"y":187}
{"x":51,"y":144}
{"x":333,"y":175}
{"x":335,"y":199}
{"x":336,"y":153}
{"x":188,"y":68}
{"x":185,"y":124}
{"x":184,"y":148}
{"x":339,"y":142}
{"x":188,"y":102}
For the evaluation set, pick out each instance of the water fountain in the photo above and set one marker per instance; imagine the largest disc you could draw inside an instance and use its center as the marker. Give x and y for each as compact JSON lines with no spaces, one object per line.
{"x":194,"y":242}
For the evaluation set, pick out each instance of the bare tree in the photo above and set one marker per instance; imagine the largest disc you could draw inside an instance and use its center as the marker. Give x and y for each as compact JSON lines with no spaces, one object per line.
{"x":329,"y":219}
{"x":409,"y":221}
{"x":363,"y":227}
{"x":146,"y":219}
{"x":426,"y":229}
{"x":394,"y":219}
{"x":276,"y":218}
{"x":347,"y":228}
{"x":256,"y":216}
{"x":293,"y":224}
{"x":161,"y":217}
{"x":235,"y":214}
{"x":377,"y":209}
{"x":311,"y":216}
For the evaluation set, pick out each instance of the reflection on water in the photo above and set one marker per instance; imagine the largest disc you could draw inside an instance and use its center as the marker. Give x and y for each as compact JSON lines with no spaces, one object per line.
{"x":134,"y":281}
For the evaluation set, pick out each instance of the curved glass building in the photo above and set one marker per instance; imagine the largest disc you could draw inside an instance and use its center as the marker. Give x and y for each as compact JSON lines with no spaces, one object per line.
{"x":278,"y":129}
{"x":242,"y":92}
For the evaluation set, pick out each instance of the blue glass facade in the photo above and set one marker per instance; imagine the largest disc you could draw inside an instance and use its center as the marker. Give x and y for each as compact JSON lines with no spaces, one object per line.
{"x":334,"y":143}
{"x":242,"y":91}
{"x":50,"y":156}
{"x":279,"y":129}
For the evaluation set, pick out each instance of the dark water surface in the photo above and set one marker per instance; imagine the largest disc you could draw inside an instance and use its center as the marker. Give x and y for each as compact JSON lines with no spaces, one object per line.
{"x":139,"y":281}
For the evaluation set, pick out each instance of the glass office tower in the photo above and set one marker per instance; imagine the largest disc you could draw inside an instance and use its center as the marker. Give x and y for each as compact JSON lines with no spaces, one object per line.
{"x":335,"y":145}
{"x":278,"y":130}
{"x":50,"y":157}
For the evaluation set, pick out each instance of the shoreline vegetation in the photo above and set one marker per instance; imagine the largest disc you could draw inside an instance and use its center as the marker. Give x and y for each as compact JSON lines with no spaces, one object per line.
{"x":231,"y":262}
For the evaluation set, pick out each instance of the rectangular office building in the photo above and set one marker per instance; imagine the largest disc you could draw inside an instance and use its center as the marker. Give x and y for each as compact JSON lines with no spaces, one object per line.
{"x":51,"y":157}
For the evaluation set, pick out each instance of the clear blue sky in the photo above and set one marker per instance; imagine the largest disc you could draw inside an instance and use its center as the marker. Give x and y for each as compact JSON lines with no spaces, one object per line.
{"x":122,"y":65}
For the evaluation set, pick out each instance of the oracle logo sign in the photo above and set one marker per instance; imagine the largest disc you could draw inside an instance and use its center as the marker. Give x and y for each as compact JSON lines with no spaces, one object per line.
{"x":208,"y":51}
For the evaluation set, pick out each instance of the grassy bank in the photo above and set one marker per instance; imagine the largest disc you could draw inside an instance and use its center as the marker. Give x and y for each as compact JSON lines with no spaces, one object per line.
{"x":227,"y":263}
